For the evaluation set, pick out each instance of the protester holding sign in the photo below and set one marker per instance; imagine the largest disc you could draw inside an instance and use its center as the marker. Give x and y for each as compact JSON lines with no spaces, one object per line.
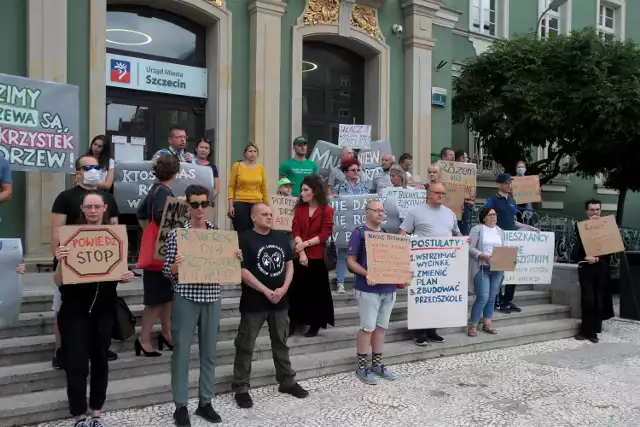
{"x":467,"y":211}
{"x":100,"y":148}
{"x":375,"y":300}
{"x":157,"y":288}
{"x":284,"y":187}
{"x":194,"y":305}
{"x":86,"y":320}
{"x":382,"y":178}
{"x":310,"y":301}
{"x":203,"y":158}
{"x":267,"y":270}
{"x":297,"y":167}
{"x":505,"y":207}
{"x":66,"y":210}
{"x":593,"y":273}
{"x":431,"y":219}
{"x":6,"y":186}
{"x":336,"y":174}
{"x":525,"y":210}
{"x":247,"y":186}
{"x":484,"y":238}
{"x":351,"y":186}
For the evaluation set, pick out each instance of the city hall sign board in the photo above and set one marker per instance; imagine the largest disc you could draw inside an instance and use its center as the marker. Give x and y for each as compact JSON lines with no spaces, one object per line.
{"x":154,"y":76}
{"x":39,"y":124}
{"x":97,"y":253}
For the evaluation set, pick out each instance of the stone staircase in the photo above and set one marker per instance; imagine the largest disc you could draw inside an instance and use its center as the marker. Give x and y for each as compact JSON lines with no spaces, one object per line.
{"x":32,"y":392}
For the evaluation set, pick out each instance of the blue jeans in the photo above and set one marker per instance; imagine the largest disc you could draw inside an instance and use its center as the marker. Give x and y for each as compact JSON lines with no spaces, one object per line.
{"x":487,"y":285}
{"x":341,"y":264}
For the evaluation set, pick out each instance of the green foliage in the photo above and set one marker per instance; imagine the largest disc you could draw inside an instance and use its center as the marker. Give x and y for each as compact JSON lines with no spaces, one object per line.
{"x":577,"y":91}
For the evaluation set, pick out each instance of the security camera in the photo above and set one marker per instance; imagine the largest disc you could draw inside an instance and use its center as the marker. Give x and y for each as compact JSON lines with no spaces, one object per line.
{"x":397,"y":29}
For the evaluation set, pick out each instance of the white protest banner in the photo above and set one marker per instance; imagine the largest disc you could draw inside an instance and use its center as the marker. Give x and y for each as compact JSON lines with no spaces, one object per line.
{"x":11,"y":289}
{"x":406,"y":198}
{"x":438,"y":294}
{"x":535,"y":257}
{"x":354,"y":136}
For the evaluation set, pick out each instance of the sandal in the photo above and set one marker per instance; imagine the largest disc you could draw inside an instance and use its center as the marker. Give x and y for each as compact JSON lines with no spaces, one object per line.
{"x":472,"y":331}
{"x":489,"y":329}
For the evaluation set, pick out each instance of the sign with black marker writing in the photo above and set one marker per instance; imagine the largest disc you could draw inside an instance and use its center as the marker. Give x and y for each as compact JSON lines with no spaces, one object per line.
{"x":209,"y":256}
{"x":282,"y":208}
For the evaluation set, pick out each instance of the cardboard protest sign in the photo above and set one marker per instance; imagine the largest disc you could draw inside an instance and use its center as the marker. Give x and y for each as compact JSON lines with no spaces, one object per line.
{"x":39,"y":125}
{"x":526,"y":189}
{"x":388,"y":257}
{"x":438,"y":294}
{"x":535,"y":256}
{"x":11,"y":289}
{"x":133,"y":180}
{"x":349,"y":213}
{"x":282,"y":208}
{"x":97,"y":253}
{"x":354,"y":136}
{"x":601,"y":236}
{"x":454,"y":198}
{"x":504,"y":258}
{"x":406,"y":198}
{"x":458,"y":173}
{"x":209,"y":256}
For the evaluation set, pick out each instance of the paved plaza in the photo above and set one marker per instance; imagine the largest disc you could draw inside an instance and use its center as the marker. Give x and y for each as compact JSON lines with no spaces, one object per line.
{"x":558,"y":383}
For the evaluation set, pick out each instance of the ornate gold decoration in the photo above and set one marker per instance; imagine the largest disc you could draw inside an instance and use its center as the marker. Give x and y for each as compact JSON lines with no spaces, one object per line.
{"x":322,"y":12}
{"x":365,"y":18}
{"x":217,"y":3}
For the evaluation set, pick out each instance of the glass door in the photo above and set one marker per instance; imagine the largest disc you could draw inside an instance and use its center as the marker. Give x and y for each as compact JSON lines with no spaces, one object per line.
{"x":130,"y":129}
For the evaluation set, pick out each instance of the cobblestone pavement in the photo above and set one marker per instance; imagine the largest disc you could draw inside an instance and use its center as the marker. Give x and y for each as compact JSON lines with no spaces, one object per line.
{"x":558,"y":383}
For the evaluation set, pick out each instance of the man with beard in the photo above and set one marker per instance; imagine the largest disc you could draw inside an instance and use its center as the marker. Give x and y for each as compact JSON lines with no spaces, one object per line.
{"x":297,"y":167}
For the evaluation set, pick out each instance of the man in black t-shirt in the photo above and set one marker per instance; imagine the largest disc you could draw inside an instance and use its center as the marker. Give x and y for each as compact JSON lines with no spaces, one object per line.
{"x":267,"y":270}
{"x":66,"y":211}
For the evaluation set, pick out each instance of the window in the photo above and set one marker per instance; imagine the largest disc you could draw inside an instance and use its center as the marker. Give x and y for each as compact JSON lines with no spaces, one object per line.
{"x":550,"y":23}
{"x":611,"y":19}
{"x":484,"y":17}
{"x":487,"y":167}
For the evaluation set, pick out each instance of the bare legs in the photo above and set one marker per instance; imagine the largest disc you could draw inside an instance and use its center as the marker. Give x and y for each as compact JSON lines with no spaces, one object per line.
{"x":149,"y":316}
{"x":374,"y":339}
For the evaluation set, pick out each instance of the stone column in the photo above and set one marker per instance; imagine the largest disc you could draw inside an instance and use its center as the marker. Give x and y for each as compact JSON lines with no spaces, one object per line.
{"x":47,"y":60}
{"x":418,"y":46}
{"x":97,"y":76}
{"x":264,"y":98}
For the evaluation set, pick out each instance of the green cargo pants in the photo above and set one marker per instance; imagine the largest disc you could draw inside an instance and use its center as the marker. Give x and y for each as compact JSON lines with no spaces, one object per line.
{"x":250,"y":325}
{"x":185,"y":316}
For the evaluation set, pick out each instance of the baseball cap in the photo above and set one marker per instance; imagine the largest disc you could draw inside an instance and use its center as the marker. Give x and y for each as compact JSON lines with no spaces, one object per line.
{"x":300,"y":140}
{"x":284,"y":181}
{"x":503,"y":178}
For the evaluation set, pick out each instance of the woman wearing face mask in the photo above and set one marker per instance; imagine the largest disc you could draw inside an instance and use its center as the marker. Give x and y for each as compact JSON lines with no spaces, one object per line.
{"x":247,"y":186}
{"x":203,"y":158}
{"x":484,"y":237}
{"x":310,"y":301}
{"x":86,"y":319}
{"x":100,"y":148}
{"x":525,"y":211}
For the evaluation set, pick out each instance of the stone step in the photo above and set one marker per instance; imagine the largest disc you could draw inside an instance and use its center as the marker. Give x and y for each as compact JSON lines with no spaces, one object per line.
{"x":39,"y":323}
{"x":16,"y":351}
{"x":31,"y":408}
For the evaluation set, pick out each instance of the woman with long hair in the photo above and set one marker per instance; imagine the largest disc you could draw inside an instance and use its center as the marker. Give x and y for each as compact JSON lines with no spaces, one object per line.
{"x":203,"y":158}
{"x":351,"y":186}
{"x":100,"y":148}
{"x":310,"y":301}
{"x":247,"y":186}
{"x":158,"y":292}
{"x":86,"y":319}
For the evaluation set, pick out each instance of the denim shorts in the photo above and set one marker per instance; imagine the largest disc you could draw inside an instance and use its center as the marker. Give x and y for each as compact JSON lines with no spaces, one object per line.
{"x":375,"y":309}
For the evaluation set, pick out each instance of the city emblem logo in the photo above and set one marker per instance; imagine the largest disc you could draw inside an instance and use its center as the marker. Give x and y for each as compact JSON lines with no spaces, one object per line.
{"x":120,"y":71}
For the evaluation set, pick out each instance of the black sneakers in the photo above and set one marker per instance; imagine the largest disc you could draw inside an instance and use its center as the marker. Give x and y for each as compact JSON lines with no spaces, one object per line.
{"x":295,"y":390}
{"x":208,"y":413}
{"x":244,"y":400}
{"x":433,"y":336}
{"x":181,"y":417}
{"x":112,"y":355}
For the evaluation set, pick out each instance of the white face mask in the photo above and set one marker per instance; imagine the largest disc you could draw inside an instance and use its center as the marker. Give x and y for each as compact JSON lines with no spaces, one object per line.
{"x":521,"y":171}
{"x":91,"y":177}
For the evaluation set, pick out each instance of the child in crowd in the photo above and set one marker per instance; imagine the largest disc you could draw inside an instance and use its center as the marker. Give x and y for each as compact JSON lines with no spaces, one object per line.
{"x":284,"y":187}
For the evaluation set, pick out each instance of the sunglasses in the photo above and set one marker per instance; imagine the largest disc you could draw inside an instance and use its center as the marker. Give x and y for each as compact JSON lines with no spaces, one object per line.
{"x":196,"y":205}
{"x":87,"y":168}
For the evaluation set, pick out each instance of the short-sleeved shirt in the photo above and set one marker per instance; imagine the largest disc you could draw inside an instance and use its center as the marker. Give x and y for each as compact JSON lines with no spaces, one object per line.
{"x":506,"y":209}
{"x":213,"y":167}
{"x":381,"y":180}
{"x":357,"y":247}
{"x":5,"y":171}
{"x":179,"y":154}
{"x":265,"y":256}
{"x":152,"y":205}
{"x":68,"y":203}
{"x":427,"y":221}
{"x":296,"y":171}
{"x":104,"y":172}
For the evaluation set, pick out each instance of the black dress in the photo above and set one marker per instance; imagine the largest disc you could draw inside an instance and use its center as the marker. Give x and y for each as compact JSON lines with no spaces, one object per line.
{"x":310,"y":301}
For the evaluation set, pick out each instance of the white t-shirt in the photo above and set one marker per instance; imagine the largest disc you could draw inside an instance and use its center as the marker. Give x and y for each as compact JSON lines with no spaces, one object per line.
{"x":103,"y":173}
{"x":490,"y":239}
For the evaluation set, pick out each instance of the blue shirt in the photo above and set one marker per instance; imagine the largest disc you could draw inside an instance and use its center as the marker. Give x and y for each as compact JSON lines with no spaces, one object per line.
{"x":506,"y":209}
{"x":5,"y":171}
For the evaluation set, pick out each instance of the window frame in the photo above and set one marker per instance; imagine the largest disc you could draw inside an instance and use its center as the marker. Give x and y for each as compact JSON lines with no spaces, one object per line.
{"x":563,"y":15}
{"x":617,"y":32}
